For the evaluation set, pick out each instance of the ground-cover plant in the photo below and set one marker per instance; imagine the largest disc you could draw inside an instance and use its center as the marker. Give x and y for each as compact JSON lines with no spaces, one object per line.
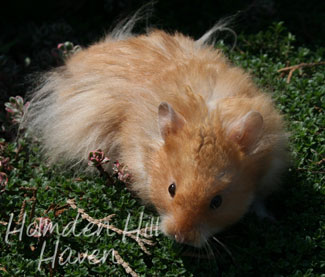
{"x":33,"y":194}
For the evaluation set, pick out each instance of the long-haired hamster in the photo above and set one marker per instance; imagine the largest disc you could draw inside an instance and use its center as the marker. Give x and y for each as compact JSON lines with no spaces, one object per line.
{"x":201,"y":141}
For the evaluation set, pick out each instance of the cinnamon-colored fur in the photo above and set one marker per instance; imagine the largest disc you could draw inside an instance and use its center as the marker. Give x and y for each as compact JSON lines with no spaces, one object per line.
{"x":208,"y":138}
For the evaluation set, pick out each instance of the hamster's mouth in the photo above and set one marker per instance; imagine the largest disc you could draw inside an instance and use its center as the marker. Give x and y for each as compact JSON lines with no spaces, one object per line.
{"x":184,"y":234}
{"x":192,"y":238}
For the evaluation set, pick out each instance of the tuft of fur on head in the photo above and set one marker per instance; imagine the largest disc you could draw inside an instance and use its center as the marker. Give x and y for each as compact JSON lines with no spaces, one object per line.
{"x":124,"y":29}
{"x":210,"y":37}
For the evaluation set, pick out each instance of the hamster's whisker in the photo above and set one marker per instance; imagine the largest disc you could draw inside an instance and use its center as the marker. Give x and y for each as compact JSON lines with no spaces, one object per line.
{"x":206,"y":250}
{"x":225,"y":248}
{"x":199,"y":254}
{"x":210,"y":251}
{"x":214,"y":248}
{"x":207,"y":253}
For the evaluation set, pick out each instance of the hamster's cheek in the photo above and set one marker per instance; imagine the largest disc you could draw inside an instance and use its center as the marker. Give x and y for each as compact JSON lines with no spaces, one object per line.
{"x":233,"y":209}
{"x":209,"y":230}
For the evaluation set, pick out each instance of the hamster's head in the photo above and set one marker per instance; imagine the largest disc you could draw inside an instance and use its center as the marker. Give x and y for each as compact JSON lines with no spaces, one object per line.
{"x":201,"y":180}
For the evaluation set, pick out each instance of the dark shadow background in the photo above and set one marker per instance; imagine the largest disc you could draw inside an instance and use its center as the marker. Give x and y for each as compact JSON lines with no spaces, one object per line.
{"x":30,"y":29}
{"x":305,"y":19}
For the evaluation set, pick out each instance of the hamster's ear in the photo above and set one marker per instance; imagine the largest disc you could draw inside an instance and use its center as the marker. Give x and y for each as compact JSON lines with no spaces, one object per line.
{"x":169,"y":120}
{"x":247,"y":130}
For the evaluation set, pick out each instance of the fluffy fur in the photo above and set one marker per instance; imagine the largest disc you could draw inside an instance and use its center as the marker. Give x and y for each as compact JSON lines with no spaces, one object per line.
{"x":173,"y":110}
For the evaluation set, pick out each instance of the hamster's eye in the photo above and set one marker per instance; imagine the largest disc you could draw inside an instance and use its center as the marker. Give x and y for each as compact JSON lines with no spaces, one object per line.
{"x":172,"y":189}
{"x":216,"y":202}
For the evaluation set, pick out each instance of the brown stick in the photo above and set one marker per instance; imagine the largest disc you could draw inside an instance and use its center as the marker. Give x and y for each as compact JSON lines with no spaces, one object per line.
{"x":34,"y":199}
{"x":125,"y":265}
{"x":28,"y":188}
{"x":22,"y":210}
{"x":2,"y":268}
{"x":311,"y":171}
{"x":141,"y":241}
{"x":293,"y":68}
{"x":320,"y":162}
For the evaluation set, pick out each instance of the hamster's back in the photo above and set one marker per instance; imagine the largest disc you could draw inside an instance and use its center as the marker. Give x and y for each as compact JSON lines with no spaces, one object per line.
{"x":110,"y":92}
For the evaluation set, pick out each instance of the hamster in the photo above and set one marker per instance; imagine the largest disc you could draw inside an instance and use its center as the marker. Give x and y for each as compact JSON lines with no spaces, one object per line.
{"x":201,"y":141}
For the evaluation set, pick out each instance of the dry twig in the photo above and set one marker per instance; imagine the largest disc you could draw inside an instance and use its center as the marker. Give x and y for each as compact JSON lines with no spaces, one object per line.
{"x":28,"y":188}
{"x":320,"y":162}
{"x":2,"y":268}
{"x":60,"y":210}
{"x":141,"y":241}
{"x":125,"y":265}
{"x":90,"y":258}
{"x":3,"y":223}
{"x":99,"y":223}
{"x":293,"y":68}
{"x":22,"y":210}
{"x":118,"y":259}
{"x":311,"y":171}
{"x":50,"y":208}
